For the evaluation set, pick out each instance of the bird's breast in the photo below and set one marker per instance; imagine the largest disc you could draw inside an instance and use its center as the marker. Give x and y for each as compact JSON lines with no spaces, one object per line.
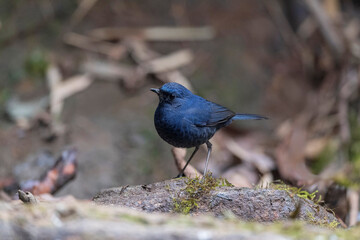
{"x":176,"y":128}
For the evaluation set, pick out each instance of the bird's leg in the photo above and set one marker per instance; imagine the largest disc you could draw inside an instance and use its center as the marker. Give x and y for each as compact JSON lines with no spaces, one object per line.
{"x":181,"y":174}
{"x":209,"y":146}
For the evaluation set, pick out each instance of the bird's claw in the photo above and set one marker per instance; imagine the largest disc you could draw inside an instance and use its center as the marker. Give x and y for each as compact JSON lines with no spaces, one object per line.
{"x":180,"y":175}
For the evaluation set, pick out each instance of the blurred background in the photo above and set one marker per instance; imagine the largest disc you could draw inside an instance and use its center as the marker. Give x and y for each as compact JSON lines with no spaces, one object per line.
{"x":77,"y":74}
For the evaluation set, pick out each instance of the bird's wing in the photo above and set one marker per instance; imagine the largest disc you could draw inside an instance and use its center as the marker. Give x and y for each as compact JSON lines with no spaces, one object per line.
{"x":217,"y":115}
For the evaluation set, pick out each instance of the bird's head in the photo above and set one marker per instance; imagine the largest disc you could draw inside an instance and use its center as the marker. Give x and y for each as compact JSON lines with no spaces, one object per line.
{"x":170,"y":92}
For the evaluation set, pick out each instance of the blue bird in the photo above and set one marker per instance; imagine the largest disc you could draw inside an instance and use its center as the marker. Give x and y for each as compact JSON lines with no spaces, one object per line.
{"x":186,"y":120}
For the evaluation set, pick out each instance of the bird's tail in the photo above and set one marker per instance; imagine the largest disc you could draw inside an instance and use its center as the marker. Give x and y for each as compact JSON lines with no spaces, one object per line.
{"x":248,"y":117}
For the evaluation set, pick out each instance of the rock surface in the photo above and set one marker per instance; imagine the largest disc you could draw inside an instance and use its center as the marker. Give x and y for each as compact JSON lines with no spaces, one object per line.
{"x":260,"y":205}
{"x":215,"y":217}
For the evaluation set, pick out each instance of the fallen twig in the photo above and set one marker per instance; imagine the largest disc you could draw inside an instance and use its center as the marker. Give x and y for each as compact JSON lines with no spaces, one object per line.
{"x":63,"y":171}
{"x":60,"y":90}
{"x":111,"y":71}
{"x":349,"y":85}
{"x":169,"y":62}
{"x":261,"y":161}
{"x":179,"y":156}
{"x":142,"y":54}
{"x":156,"y":33}
{"x":82,"y":10}
{"x":334,"y":40}
{"x":353,"y":198}
{"x":113,"y":50}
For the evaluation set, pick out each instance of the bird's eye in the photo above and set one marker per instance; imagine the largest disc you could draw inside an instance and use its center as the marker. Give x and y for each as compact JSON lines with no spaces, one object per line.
{"x":171,"y":97}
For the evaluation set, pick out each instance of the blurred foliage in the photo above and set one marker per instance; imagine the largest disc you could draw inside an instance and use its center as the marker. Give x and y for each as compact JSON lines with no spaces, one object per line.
{"x":36,"y":64}
{"x":4,"y":95}
{"x":352,"y":177}
{"x":327,"y":156}
{"x":354,"y":148}
{"x":195,"y":189}
{"x":292,"y":191}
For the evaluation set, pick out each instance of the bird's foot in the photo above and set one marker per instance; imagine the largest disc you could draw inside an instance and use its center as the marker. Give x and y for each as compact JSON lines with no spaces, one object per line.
{"x":180,"y":175}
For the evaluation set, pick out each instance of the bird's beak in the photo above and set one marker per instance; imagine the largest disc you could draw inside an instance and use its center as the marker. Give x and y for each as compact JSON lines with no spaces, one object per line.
{"x":155,"y":90}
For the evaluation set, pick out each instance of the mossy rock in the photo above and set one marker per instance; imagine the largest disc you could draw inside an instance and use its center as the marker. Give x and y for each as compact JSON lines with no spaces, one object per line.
{"x":209,"y":197}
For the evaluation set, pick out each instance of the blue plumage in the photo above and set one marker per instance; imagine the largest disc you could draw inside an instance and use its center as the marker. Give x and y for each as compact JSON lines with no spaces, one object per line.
{"x":186,"y":120}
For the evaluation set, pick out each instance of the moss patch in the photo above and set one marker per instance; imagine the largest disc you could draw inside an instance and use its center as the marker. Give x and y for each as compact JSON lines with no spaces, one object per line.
{"x":188,"y":198}
{"x":292,"y":191}
{"x":314,"y":197}
{"x":323,"y":222}
{"x":325,"y":157}
{"x":36,"y":64}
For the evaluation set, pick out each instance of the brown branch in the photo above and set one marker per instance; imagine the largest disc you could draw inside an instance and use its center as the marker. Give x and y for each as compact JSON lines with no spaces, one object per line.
{"x":331,"y":36}
{"x":169,"y":62}
{"x":179,"y":156}
{"x":353,"y":198}
{"x":63,"y":171}
{"x":141,"y":54}
{"x":156,"y":33}
{"x":84,"y":7}
{"x":114,"y":51}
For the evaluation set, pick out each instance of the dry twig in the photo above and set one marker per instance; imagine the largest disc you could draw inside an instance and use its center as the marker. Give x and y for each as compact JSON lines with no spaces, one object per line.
{"x":156,"y":33}
{"x":179,"y":156}
{"x":353,"y":198}
{"x":142,"y":54}
{"x":114,"y":51}
{"x":169,"y":62}
{"x":63,"y":171}
{"x":331,"y":36}
{"x":84,"y":7}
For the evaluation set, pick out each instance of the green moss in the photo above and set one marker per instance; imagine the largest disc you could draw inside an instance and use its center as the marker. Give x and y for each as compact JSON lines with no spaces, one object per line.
{"x":134,"y":218}
{"x":4,"y":95}
{"x":322,"y":222}
{"x":292,"y":191}
{"x":195,"y":189}
{"x":351,"y":177}
{"x":324,"y":158}
{"x":223,"y":182}
{"x":36,"y":64}
{"x":311,"y":217}
{"x":167,"y":187}
{"x":334,"y":224}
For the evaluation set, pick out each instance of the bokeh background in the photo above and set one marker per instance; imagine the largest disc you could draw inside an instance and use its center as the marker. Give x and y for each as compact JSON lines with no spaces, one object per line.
{"x":296,"y":62}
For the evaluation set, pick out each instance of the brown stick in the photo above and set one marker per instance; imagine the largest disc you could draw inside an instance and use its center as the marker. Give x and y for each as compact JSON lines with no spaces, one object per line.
{"x":179,"y":156}
{"x":84,"y":7}
{"x":353,"y":198}
{"x":115,"y":51}
{"x":156,"y":33}
{"x":326,"y":27}
{"x":141,"y":54}
{"x":63,"y":171}
{"x":169,"y":62}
